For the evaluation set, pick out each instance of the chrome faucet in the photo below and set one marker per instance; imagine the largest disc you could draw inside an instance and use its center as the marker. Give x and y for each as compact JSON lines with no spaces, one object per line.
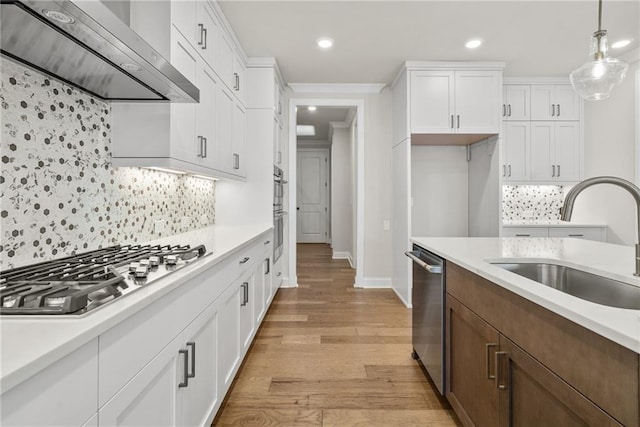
{"x":567,"y":208}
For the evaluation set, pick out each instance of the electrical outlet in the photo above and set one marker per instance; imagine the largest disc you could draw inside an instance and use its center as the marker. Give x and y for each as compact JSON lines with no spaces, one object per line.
{"x":158,"y":226}
{"x":185,"y":222}
{"x":386,"y":225}
{"x":204,"y":219}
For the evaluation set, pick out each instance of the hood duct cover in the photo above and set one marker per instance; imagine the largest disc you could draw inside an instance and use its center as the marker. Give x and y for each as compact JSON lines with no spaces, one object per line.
{"x":85,"y":45}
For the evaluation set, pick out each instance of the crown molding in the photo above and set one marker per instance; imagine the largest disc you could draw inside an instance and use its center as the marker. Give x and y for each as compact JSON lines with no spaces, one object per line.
{"x":337,"y":88}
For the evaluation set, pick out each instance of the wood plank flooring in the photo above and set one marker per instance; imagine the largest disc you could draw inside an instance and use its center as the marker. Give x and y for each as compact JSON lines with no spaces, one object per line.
{"x":328,"y":354}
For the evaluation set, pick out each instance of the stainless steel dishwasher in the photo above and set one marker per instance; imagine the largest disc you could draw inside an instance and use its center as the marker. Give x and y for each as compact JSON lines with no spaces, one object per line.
{"x":427,"y":297}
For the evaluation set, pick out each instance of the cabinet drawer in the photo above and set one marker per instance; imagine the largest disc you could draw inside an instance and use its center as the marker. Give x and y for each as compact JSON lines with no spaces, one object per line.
{"x":525,"y":232}
{"x":589,"y":233}
{"x":62,"y":394}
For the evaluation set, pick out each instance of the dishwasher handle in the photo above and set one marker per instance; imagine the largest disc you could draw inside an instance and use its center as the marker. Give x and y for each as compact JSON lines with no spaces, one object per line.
{"x":436,"y":269}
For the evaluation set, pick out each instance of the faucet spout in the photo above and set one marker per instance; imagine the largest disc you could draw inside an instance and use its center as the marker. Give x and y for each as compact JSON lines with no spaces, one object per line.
{"x":567,"y":208}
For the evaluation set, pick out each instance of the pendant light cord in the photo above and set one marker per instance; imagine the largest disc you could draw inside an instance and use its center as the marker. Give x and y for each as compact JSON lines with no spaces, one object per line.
{"x":599,"y":15}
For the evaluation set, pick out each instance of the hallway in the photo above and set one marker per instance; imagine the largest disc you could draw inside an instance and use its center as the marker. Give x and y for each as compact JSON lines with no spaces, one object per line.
{"x":328,"y":354}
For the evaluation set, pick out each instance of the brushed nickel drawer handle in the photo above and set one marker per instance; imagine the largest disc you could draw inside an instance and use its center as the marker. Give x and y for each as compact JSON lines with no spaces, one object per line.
{"x":523,"y":235}
{"x":193,"y":359}
{"x":185,"y":376}
{"x":244,"y":260}
{"x":489,"y":346}
{"x":500,"y":355}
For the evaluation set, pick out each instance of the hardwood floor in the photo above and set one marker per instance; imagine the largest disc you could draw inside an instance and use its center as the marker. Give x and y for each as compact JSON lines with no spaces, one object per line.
{"x":328,"y":354}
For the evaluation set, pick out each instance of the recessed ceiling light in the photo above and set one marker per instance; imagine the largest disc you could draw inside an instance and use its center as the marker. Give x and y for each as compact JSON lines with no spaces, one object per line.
{"x":58,"y":16}
{"x":472,"y":44}
{"x":305,"y":130}
{"x":324,"y":42}
{"x":312,"y":108}
{"x":130,"y":66}
{"x":620,"y":44}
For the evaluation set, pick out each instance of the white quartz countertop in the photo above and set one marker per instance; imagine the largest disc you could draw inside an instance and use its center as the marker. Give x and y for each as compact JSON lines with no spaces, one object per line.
{"x":549,"y":223}
{"x":614,"y":261}
{"x":31,"y":343}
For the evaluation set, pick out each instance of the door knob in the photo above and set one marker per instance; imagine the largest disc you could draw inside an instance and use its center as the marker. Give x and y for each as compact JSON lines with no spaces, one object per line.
{"x":298,"y":208}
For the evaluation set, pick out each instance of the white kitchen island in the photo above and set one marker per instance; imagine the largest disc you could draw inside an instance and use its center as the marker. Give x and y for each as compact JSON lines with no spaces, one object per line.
{"x":519,"y":352}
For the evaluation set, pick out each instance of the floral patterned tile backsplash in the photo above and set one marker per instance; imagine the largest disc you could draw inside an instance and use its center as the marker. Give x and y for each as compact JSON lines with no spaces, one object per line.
{"x":531,"y":202}
{"x":60,"y":193}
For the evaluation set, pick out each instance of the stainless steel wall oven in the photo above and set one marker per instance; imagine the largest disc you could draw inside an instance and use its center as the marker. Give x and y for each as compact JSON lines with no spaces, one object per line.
{"x":278,"y":212}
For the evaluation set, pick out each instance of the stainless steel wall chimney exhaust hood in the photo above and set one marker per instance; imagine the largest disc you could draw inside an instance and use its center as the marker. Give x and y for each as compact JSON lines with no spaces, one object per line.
{"x":84,"y":44}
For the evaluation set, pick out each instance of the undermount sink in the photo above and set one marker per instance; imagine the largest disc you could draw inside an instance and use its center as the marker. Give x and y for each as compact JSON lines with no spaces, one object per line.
{"x":578,"y":283}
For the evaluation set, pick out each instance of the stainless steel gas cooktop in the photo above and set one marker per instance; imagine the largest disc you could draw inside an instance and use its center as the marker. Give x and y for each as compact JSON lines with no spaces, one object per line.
{"x":81,"y":283}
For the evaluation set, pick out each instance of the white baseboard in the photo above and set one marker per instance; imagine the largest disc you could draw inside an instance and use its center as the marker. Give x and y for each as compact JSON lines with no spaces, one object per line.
{"x":286,"y":284}
{"x":375,"y":282}
{"x":343,"y":255}
{"x":402,"y":299}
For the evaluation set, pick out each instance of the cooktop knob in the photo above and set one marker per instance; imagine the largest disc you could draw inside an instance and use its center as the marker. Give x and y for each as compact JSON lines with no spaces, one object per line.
{"x":133,"y":266}
{"x":154,"y":261}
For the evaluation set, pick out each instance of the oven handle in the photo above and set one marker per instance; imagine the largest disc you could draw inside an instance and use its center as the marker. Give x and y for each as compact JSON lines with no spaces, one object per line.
{"x":280,"y":214}
{"x":436,"y":269}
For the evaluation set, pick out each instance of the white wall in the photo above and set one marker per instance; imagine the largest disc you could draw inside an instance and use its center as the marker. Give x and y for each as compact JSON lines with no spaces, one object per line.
{"x":610,"y":149}
{"x":342,"y":196}
{"x":439,"y":188}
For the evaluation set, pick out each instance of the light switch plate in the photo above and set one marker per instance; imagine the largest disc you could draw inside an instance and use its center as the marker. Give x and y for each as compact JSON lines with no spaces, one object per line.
{"x":158,"y":226}
{"x":185,"y":222}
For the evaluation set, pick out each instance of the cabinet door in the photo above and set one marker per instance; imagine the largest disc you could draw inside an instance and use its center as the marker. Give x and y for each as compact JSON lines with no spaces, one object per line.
{"x":225,"y":58}
{"x":567,"y":151}
{"x":477,"y":102}
{"x":63,"y":394}
{"x":542,"y":147}
{"x":517,"y":147}
{"x":567,"y":102}
{"x":224,"y":129}
{"x":542,"y":100}
{"x":531,"y":395}
{"x":517,"y":101}
{"x":238,"y":135}
{"x":229,"y":336}
{"x":239,"y":74}
{"x":247,"y":307}
{"x":432,"y":101}
{"x":201,"y":395}
{"x":152,"y":397}
{"x":207,"y":33}
{"x":206,"y":117}
{"x":259,"y":293}
{"x":183,"y":17}
{"x":184,"y":143}
{"x":471,"y":344}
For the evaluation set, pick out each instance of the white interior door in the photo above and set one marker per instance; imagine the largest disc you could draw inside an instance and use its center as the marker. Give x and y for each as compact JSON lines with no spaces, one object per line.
{"x":312,"y":196}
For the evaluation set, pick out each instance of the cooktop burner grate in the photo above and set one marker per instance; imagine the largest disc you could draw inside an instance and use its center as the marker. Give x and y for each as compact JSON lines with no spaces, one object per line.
{"x":80,"y":283}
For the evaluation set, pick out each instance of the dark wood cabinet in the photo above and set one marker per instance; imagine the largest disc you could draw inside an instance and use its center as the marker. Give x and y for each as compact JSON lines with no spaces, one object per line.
{"x":532,"y":395}
{"x":471,"y":344}
{"x":511,"y":362}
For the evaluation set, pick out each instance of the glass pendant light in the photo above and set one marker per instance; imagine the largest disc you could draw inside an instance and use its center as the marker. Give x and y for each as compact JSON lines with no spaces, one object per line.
{"x":596,"y":79}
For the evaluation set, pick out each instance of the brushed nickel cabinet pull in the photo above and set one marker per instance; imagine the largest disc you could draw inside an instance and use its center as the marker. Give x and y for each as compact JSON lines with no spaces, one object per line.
{"x":458,"y":121}
{"x":558,"y":170}
{"x":576,"y":235}
{"x":504,"y":110}
{"x":452,"y":121}
{"x":268,"y":263}
{"x":201,"y":41}
{"x":558,"y":110}
{"x":244,"y":260}
{"x":504,"y":171}
{"x":489,"y":346}
{"x":499,"y":356}
{"x":553,"y":171}
{"x":509,"y":110}
{"x":553,"y":110}
{"x":185,"y":375}
{"x":523,"y":235}
{"x":509,"y":171}
{"x":193,"y":359}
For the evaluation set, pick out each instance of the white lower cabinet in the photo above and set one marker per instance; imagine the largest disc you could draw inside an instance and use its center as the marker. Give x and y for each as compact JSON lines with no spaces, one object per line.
{"x":63,"y":394}
{"x":178,"y":387}
{"x":597,"y":233}
{"x":169,"y":364}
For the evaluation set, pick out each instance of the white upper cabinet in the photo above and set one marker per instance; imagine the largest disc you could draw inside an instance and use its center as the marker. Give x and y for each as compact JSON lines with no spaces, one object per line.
{"x":477,"y":101}
{"x":516,"y":151}
{"x":448,"y":101}
{"x":225,"y":60}
{"x":554,"y":102}
{"x":432,"y":100}
{"x":516,"y":103}
{"x":555,"y":151}
{"x":238,"y":141}
{"x":206,"y":147}
{"x":197,"y":22}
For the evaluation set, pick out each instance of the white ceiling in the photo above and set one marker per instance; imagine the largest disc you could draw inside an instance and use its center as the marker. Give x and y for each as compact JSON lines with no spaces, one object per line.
{"x":373,"y":38}
{"x":320,"y":119}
